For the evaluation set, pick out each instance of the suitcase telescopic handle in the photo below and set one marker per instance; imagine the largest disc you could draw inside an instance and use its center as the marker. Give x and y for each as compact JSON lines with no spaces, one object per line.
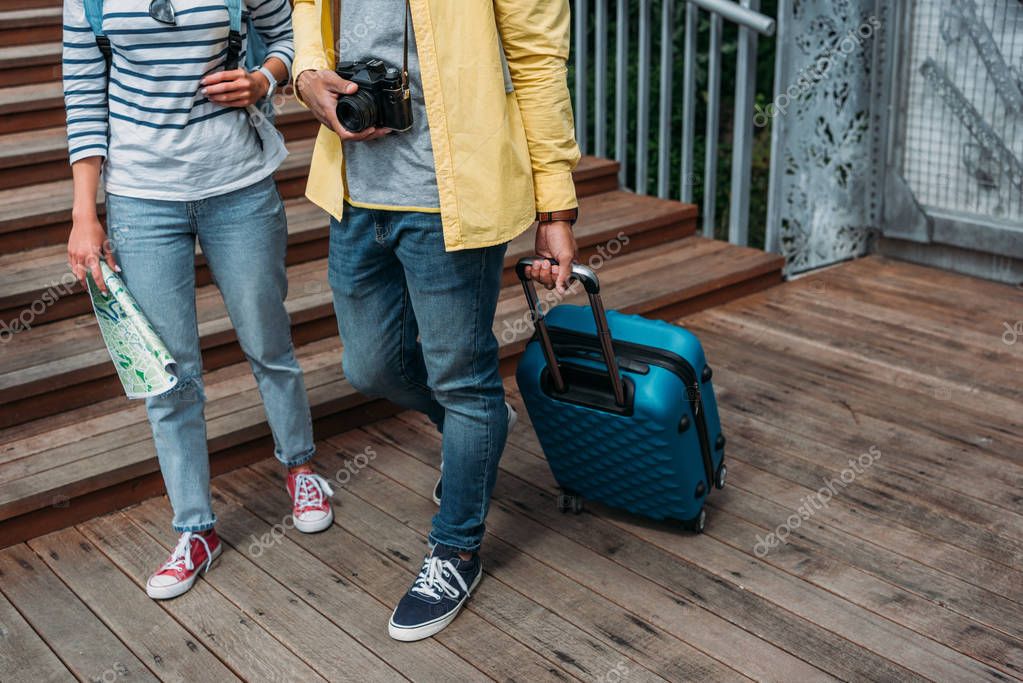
{"x":591,"y":284}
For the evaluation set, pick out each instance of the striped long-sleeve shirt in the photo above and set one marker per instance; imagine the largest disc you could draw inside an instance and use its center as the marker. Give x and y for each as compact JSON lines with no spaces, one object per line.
{"x":162,"y":139}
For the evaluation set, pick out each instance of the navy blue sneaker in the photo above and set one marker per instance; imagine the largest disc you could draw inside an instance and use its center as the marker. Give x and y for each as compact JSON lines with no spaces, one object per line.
{"x":438,"y":593}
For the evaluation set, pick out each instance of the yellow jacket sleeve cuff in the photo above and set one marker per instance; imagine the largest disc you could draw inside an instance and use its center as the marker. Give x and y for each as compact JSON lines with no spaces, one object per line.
{"x":299,"y":69}
{"x":554,"y":191}
{"x":309,"y":42}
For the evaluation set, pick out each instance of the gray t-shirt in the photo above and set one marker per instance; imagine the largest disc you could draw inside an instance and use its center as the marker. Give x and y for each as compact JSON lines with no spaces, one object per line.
{"x":397,"y":170}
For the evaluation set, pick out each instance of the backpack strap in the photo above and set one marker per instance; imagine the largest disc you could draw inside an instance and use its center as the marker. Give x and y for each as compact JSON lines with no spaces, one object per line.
{"x":255,"y":46}
{"x":94,"y":15}
{"x":234,"y":36}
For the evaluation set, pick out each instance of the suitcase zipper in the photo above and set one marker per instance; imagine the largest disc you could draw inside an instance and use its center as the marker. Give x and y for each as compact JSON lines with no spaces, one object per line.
{"x":671,"y":362}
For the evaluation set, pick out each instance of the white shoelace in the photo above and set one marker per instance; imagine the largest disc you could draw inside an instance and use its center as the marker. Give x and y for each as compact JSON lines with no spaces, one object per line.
{"x":432,"y":580}
{"x":182,"y":555}
{"x":310,"y":490}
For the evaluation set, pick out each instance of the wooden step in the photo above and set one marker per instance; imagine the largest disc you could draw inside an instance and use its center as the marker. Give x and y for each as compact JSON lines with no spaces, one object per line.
{"x":41,"y":273}
{"x":24,"y":64}
{"x":98,"y":456}
{"x":32,"y":157}
{"x":13,"y":5}
{"x":594,"y":175}
{"x":40,"y":155}
{"x":31,"y":25}
{"x":46,"y":368}
{"x":31,"y":106}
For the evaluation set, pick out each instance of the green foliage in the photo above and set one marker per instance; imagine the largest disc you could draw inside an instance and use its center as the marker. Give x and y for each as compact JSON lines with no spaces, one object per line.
{"x":764,"y":93}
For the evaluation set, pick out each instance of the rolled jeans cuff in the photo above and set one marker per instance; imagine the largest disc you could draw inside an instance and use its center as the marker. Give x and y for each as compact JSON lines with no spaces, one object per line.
{"x":193,"y":528}
{"x":297,"y":460}
{"x":458,"y":545}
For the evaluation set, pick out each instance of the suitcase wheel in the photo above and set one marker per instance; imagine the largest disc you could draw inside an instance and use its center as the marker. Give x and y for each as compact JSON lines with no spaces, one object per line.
{"x":569,"y":502}
{"x":721,"y":476}
{"x":696,"y":524}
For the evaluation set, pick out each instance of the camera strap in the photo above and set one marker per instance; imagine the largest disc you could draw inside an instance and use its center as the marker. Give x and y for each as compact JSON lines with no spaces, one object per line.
{"x":404,"y":56}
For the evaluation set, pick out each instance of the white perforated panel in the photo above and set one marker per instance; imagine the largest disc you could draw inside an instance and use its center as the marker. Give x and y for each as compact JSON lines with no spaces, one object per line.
{"x":963,"y":124}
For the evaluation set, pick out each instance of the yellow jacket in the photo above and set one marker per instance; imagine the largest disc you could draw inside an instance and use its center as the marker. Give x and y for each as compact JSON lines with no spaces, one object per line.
{"x":500,"y":157}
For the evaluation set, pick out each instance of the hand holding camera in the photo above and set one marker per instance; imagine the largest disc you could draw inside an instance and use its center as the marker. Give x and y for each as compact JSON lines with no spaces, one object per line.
{"x":382,"y":99}
{"x":364,"y":99}
{"x":320,"y":90}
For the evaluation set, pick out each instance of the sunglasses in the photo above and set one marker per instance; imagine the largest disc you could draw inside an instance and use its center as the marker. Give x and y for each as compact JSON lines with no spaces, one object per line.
{"x":163,"y":12}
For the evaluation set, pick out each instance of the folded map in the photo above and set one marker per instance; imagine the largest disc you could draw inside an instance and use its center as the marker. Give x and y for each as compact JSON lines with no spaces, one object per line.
{"x":143,"y":363}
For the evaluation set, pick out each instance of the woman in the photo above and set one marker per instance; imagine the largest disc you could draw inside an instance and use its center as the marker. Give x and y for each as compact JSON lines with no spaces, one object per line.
{"x":167,"y":125}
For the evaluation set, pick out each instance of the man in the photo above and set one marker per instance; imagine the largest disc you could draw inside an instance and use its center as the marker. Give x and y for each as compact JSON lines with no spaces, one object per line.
{"x":421,"y":221}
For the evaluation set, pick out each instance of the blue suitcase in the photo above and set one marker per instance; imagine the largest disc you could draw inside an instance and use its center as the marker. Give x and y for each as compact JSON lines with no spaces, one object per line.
{"x":623,"y":407}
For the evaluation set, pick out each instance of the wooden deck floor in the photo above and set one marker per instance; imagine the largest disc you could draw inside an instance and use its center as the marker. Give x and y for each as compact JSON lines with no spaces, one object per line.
{"x":893,"y":377}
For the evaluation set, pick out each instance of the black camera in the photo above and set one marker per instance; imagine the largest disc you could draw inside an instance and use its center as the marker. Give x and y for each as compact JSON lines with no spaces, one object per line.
{"x":382,"y":100}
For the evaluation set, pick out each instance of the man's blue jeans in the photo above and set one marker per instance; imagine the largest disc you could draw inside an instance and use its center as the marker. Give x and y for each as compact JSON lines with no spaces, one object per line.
{"x":416,"y":323}
{"x":244,"y":235}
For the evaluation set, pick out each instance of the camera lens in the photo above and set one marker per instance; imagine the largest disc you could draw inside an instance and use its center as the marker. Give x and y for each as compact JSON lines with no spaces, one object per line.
{"x":357,"y":112}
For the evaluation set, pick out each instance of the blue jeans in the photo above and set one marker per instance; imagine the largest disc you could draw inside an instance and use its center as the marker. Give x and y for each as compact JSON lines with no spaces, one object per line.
{"x":243,"y":235}
{"x":416,"y":323}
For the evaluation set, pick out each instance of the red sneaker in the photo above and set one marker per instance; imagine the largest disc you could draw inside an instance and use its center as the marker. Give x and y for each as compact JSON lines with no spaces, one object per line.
{"x":192,"y":556}
{"x":310,"y":505}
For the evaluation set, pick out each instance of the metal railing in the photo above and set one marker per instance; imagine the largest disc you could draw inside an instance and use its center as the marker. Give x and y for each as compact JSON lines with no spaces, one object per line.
{"x":751,"y":24}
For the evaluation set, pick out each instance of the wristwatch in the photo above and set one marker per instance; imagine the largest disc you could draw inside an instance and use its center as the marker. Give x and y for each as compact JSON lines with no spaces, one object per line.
{"x":271,"y":79}
{"x":570,"y":215}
